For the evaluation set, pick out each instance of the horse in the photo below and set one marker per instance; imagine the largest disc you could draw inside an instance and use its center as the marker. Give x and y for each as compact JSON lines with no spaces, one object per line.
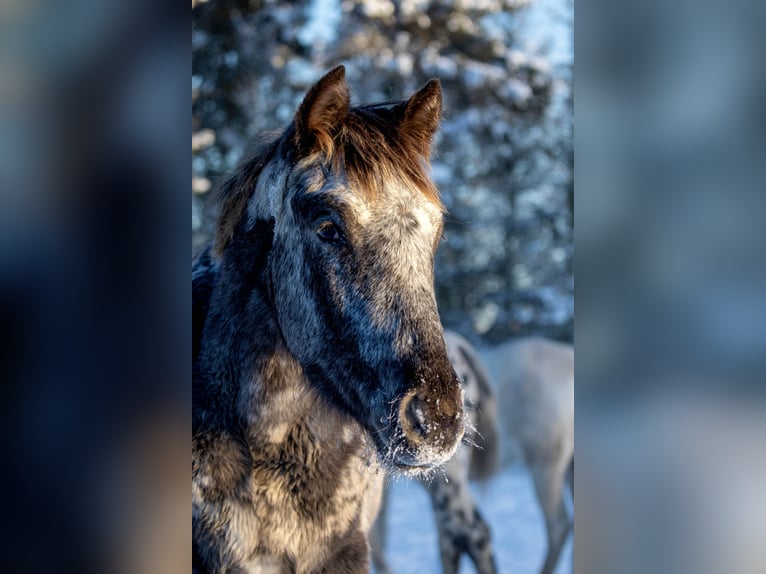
{"x":319,"y":363}
{"x":461,"y":527}
{"x":534,"y":378}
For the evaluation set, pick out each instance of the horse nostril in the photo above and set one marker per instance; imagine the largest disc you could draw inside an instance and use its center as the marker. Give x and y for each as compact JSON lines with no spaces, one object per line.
{"x":414,"y":416}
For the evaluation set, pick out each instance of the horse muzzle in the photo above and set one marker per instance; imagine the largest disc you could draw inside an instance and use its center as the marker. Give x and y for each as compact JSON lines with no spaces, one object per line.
{"x":431,"y":426}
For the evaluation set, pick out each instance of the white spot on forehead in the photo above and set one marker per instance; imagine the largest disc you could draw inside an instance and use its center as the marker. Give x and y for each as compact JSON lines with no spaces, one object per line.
{"x":397,"y":201}
{"x":360,"y":206}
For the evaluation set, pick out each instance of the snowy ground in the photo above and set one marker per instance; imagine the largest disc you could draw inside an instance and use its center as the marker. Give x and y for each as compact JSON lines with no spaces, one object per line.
{"x":507,"y":502}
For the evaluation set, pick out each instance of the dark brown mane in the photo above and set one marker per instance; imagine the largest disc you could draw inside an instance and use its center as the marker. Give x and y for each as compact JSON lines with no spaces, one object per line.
{"x":373,"y":150}
{"x":368,"y":145}
{"x":235,"y":192}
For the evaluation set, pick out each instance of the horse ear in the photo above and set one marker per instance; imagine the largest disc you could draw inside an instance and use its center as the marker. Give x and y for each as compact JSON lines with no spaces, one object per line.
{"x":421,"y":116}
{"x":323,"y":109}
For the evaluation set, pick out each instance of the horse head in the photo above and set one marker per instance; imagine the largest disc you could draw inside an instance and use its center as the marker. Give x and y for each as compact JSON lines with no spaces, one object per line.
{"x":356,"y":222}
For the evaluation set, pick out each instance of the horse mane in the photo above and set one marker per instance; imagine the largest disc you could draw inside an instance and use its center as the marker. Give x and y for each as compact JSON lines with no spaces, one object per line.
{"x":368,"y":145}
{"x":236,"y":190}
{"x":374,"y":150}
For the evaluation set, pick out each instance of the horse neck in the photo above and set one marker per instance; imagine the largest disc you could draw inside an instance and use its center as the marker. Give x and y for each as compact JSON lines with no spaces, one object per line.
{"x":244,"y":374}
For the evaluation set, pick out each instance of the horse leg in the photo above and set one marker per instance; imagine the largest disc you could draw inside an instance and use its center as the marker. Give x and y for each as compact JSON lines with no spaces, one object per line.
{"x":465,"y":531}
{"x":548,"y":477}
{"x":570,"y":481}
{"x":443,"y":496}
{"x":460,"y":525}
{"x":378,"y":534}
{"x":570,"y":478}
{"x":480,"y":544}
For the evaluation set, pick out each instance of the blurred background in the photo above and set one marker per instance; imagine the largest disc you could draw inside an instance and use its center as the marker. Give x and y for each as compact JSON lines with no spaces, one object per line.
{"x":503,"y":159}
{"x":671,"y":313}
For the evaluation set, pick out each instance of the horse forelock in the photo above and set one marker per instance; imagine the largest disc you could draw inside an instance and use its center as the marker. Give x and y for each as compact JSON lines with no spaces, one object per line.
{"x":371,"y":152}
{"x":367,"y":147}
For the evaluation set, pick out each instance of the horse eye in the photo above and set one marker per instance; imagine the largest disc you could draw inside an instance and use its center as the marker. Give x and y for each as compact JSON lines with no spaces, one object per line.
{"x":328,"y":232}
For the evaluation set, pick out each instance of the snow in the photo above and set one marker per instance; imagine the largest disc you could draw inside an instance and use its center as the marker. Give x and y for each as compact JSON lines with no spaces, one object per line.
{"x":546,"y":26}
{"x":507,"y":502}
{"x":301,"y":72}
{"x":382,"y":9}
{"x":323,"y":18}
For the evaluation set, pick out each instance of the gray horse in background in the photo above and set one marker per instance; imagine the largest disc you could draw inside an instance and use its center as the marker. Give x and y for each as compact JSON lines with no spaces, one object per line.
{"x":526,"y":412}
{"x":534,"y":378}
